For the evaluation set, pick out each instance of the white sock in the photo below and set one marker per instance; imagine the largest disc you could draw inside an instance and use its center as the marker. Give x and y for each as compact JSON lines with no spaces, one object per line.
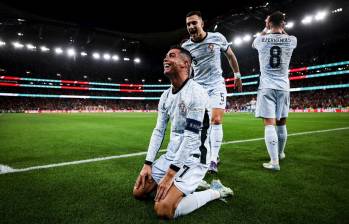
{"x":271,"y":140}
{"x":216,"y":137}
{"x":282,"y":137}
{"x":194,"y":201}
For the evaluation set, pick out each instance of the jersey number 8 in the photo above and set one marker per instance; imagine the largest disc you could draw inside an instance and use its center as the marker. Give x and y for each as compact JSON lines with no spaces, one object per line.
{"x":275,"y":57}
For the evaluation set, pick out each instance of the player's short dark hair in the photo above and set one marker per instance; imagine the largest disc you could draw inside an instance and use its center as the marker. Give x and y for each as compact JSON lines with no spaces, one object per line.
{"x":277,"y":18}
{"x":183,"y":51}
{"x":194,"y":13}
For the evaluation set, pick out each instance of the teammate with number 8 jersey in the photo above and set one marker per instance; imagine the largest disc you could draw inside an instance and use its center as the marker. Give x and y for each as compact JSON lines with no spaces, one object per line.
{"x":275,"y":49}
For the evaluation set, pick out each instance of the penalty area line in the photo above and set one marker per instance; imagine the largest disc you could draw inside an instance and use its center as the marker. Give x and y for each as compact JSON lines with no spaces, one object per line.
{"x":6,"y":169}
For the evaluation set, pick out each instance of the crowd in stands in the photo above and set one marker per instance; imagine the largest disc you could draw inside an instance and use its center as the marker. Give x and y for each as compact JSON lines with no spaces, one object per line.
{"x":21,"y":104}
{"x":338,"y":98}
{"x":316,"y":53}
{"x":332,"y":98}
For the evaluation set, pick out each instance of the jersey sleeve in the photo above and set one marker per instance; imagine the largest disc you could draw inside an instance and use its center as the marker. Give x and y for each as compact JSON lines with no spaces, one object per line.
{"x":191,"y":137}
{"x":256,"y":43}
{"x":223,"y":43}
{"x":293,"y":42}
{"x":159,"y":130}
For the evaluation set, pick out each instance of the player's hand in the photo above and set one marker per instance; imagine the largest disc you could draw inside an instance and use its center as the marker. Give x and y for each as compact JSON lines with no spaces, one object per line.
{"x":144,"y":175}
{"x":238,"y":84}
{"x":267,"y":23}
{"x":165,"y":185}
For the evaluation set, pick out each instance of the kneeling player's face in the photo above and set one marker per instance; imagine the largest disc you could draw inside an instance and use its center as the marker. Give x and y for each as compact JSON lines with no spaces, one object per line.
{"x":172,"y":61}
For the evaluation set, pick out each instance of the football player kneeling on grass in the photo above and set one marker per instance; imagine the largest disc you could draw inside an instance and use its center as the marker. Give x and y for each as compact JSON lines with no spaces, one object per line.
{"x":175,"y":175}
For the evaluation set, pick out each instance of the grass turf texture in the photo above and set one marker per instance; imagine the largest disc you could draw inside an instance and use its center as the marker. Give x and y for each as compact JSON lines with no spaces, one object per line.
{"x":312,"y":186}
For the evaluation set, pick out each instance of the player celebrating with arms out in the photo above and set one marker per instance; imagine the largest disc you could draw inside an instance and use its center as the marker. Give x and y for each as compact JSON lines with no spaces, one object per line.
{"x":273,"y":98}
{"x":177,"y":173}
{"x":206,"y":48}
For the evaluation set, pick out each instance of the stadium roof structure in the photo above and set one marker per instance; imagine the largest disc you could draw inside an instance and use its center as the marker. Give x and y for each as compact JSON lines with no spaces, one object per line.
{"x":151,"y":22}
{"x":143,"y":28}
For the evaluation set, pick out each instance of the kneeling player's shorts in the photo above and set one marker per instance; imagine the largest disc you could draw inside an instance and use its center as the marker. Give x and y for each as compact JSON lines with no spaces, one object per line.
{"x":272,"y":103}
{"x":187,"y":178}
{"x":217,"y":97}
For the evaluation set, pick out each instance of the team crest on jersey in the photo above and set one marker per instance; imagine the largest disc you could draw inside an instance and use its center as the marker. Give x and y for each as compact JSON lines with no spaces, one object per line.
{"x":182,"y":107}
{"x":210,"y":47}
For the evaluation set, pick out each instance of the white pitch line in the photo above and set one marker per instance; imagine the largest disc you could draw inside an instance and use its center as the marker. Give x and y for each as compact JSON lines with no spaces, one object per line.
{"x":294,"y":134}
{"x":12,"y":170}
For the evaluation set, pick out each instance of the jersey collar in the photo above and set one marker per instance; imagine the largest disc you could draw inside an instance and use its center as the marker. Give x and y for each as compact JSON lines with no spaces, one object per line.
{"x":179,"y":89}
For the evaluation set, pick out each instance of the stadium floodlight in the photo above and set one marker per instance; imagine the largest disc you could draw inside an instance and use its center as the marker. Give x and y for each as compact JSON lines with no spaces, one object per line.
{"x":247,"y":38}
{"x":337,"y":10}
{"x":28,"y":72}
{"x":44,"y":49}
{"x":31,"y":47}
{"x":2,"y":43}
{"x":85,"y":76}
{"x":143,"y":80}
{"x":215,"y":27}
{"x":126,"y":59}
{"x":159,"y":80}
{"x":126,"y":80}
{"x":71,"y":52}
{"x":137,"y":60}
{"x":58,"y":50}
{"x":115,"y":57}
{"x":106,"y":57}
{"x":83,"y":53}
{"x":237,"y":41}
{"x":17,"y":45}
{"x":289,"y":25}
{"x":58,"y":75}
{"x":320,"y":15}
{"x":20,"y":34}
{"x":307,"y":20}
{"x":96,"y":56}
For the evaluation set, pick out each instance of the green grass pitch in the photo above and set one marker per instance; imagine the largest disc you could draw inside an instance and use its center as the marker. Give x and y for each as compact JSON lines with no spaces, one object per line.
{"x":312,"y":186}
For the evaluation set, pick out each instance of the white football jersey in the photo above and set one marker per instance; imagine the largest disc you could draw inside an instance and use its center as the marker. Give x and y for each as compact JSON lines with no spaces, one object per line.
{"x":274,"y":51}
{"x":207,"y":59}
{"x":187,"y":110}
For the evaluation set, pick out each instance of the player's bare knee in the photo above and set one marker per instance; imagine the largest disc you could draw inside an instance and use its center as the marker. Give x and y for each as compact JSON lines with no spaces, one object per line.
{"x":164,"y":209}
{"x":138,"y":194}
{"x":269,"y":121}
{"x":216,"y":120}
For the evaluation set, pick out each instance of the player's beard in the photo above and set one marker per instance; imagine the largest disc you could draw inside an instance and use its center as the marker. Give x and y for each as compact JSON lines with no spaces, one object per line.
{"x":194,"y":34}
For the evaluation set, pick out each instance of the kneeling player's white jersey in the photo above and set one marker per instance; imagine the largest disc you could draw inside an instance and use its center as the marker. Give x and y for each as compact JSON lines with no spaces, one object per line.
{"x":274,"y":51}
{"x":187,"y":110}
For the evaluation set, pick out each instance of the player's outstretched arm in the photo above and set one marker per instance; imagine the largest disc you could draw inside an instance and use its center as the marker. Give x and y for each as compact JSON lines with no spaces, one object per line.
{"x":158,"y":132}
{"x":235,"y":67}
